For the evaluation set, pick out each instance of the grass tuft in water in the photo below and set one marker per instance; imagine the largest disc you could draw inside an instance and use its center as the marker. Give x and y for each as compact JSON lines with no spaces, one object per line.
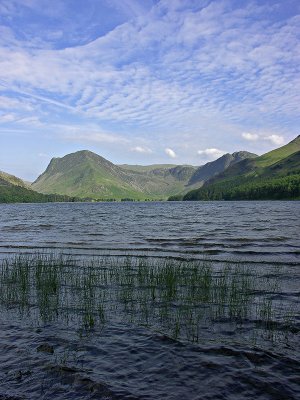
{"x":186,"y":300}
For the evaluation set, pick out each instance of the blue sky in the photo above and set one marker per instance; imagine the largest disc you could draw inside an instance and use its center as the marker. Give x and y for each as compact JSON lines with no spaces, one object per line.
{"x":148,"y":81}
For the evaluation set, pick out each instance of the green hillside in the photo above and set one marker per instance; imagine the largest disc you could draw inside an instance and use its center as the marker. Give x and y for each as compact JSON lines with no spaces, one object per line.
{"x":273,"y":175}
{"x":6,"y":178}
{"x":278,"y":154}
{"x":14,"y":190}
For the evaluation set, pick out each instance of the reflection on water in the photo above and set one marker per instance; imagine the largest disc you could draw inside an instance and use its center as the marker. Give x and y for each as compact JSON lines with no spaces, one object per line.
{"x":45,"y":353}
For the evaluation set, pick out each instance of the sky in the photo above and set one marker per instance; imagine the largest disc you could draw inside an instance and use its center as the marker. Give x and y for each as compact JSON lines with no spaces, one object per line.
{"x":146,"y":81}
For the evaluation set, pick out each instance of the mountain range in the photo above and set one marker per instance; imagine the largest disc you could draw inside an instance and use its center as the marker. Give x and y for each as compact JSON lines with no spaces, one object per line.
{"x":86,"y":176}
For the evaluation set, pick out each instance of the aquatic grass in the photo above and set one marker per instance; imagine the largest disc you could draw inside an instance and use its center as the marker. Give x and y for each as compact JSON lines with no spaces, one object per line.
{"x":183,"y":299}
{"x":16,"y":276}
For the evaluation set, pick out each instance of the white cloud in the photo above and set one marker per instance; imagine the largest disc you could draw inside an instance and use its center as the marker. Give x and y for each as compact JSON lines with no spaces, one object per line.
{"x":140,"y":149}
{"x":275,"y":139}
{"x":171,"y":153}
{"x":211,"y":153}
{"x":250,"y":136}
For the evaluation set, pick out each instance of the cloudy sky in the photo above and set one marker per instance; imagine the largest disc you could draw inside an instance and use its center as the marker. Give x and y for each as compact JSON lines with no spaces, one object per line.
{"x":146,"y":81}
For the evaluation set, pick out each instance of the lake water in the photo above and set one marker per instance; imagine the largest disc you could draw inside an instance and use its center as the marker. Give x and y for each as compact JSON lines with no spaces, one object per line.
{"x":127,"y":361}
{"x":250,"y":231}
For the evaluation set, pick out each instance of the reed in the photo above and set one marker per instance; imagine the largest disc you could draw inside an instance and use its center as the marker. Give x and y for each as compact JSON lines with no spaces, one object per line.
{"x":182,"y":299}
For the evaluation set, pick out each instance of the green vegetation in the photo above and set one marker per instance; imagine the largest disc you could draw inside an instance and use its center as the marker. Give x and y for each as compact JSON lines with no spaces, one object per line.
{"x":180,"y":299}
{"x":265,"y":177}
{"x":18,"y":194}
{"x":282,"y":188}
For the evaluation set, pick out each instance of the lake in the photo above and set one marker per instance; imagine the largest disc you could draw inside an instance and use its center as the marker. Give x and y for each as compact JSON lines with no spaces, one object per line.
{"x":130,"y":359}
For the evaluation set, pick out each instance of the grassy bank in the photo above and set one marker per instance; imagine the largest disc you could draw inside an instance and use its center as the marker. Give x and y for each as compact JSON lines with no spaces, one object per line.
{"x":179,"y":299}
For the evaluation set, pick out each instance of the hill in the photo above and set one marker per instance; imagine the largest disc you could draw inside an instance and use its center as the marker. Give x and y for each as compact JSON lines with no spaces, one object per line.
{"x":14,"y":190}
{"x":6,"y":179}
{"x":273,"y":175}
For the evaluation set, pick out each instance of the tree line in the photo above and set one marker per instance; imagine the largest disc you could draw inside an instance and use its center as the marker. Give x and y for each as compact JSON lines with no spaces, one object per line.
{"x":280,"y":188}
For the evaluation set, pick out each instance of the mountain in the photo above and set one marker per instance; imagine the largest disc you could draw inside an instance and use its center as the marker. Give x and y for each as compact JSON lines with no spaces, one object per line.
{"x":213,"y":168}
{"x":273,"y":175}
{"x":88,"y":175}
{"x":84,"y":174}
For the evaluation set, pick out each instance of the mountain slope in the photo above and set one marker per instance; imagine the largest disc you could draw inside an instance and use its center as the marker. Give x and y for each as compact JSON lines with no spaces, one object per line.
{"x":6,"y":179}
{"x":256,"y":178}
{"x":278,"y":154}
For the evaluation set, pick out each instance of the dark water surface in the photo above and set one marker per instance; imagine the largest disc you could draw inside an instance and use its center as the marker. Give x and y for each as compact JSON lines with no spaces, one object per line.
{"x":124,"y":361}
{"x":263,"y":231}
